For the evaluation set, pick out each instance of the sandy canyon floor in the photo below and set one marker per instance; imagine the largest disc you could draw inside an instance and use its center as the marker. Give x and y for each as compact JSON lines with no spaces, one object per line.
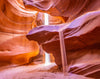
{"x":40,"y":71}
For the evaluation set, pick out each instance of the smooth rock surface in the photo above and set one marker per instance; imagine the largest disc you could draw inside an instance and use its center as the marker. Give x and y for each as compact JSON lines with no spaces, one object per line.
{"x":15,"y":22}
{"x":82,"y":39}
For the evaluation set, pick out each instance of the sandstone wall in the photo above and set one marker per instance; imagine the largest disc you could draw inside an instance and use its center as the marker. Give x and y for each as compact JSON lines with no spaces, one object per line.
{"x":15,"y":23}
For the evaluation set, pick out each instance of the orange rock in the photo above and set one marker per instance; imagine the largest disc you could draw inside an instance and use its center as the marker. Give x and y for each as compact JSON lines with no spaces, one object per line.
{"x":18,"y":50}
{"x":15,"y":22}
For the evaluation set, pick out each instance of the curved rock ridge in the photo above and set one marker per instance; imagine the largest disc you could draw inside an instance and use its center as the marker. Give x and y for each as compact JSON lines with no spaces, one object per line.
{"x":15,"y":22}
{"x":81,"y":37}
{"x":69,"y":9}
{"x":21,"y":21}
{"x":81,"y":32}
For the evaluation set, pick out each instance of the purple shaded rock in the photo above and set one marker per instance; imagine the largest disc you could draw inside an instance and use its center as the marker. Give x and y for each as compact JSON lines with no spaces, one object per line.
{"x":42,"y":34}
{"x":81,"y":36}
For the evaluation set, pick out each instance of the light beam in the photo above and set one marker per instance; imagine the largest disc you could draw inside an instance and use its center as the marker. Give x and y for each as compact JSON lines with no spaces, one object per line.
{"x":46,"y":22}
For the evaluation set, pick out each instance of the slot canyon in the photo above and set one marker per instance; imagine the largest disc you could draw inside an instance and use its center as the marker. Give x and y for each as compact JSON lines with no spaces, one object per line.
{"x":24,"y":39}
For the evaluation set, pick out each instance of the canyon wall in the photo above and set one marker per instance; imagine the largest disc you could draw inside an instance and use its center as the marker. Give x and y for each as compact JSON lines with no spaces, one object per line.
{"x":15,"y":23}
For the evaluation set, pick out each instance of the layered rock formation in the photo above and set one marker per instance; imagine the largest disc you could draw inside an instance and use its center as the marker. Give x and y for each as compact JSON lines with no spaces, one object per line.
{"x":77,"y":37}
{"x":81,"y":34}
{"x":69,"y":9}
{"x":15,"y":22}
{"x":82,"y":41}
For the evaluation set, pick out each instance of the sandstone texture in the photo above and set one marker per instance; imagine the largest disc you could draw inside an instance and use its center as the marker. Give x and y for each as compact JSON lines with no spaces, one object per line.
{"x":15,"y":23}
{"x":81,"y":32}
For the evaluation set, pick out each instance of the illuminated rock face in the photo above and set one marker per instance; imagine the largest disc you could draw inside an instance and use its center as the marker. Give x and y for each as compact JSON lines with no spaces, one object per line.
{"x":82,"y":42}
{"x":66,"y":8}
{"x":15,"y":22}
{"x":81,"y":36}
